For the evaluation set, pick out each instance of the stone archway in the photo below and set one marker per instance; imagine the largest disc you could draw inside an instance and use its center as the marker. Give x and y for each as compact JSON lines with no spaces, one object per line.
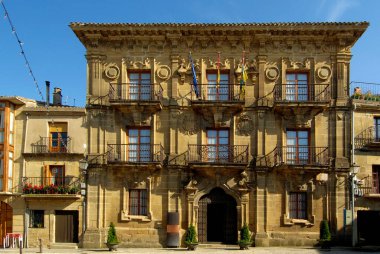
{"x":6,"y":215}
{"x":217,"y":217}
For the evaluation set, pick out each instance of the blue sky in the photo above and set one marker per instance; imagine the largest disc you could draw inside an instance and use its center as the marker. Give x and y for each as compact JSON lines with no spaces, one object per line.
{"x":56,"y":54}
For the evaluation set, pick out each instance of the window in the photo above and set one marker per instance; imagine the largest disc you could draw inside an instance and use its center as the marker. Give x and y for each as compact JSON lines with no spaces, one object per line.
{"x":138,"y":202}
{"x":58,"y":137}
{"x":376,"y":178}
{"x":139,"y":86}
{"x":10,"y":171}
{"x":297,"y":205}
{"x":2,"y":126}
{"x":217,"y":145}
{"x":297,"y":87}
{"x":377,"y":129}
{"x":36,"y":218}
{"x":297,"y":147}
{"x":11,"y":126}
{"x":215,"y":91}
{"x":1,"y":170}
{"x":56,"y":175}
{"x":139,"y":145}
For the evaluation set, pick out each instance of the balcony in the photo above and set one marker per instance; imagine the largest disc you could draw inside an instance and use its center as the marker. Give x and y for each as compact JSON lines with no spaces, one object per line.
{"x":218,"y":157}
{"x":367,"y":140}
{"x":132,"y":97}
{"x":368,"y":187}
{"x":144,"y":155}
{"x":51,"y":187}
{"x":365,"y":95}
{"x":48,"y":145}
{"x":225,"y":99}
{"x":301,"y":99}
{"x":296,"y":157}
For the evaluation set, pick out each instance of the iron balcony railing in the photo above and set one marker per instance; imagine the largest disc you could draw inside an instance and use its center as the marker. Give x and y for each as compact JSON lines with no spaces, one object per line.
{"x":368,"y":185}
{"x":218,"y":93}
{"x":130,"y":92}
{"x":218,"y":154}
{"x":301,"y":155}
{"x":52,"y":145}
{"x":135,"y":153}
{"x":302,"y":93}
{"x":51,"y":185}
{"x":368,"y":136}
{"x":365,"y":91}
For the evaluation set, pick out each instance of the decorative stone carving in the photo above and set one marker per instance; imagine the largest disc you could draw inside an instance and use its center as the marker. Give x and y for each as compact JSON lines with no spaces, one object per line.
{"x":145,"y":64}
{"x":244,"y":124}
{"x":324,"y":72}
{"x":188,"y":123}
{"x":112,"y":71}
{"x":182,"y":70}
{"x":163,"y":72}
{"x":272,"y":73}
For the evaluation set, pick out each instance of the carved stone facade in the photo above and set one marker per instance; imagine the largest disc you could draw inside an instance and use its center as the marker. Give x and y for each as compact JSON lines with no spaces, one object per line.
{"x":260,"y":142}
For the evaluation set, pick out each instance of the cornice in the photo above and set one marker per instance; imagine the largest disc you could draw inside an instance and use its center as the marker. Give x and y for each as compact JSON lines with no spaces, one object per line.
{"x":344,"y":34}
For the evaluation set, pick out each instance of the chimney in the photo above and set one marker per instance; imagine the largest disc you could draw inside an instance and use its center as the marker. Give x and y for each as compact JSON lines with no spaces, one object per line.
{"x":57,"y":96}
{"x":47,"y":93}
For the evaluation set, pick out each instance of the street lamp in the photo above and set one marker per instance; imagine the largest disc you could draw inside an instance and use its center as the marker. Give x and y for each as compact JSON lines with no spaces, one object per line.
{"x":354,"y":169}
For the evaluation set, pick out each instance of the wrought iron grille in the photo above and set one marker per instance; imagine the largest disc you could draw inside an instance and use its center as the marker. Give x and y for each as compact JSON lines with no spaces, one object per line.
{"x":368,"y":136}
{"x":135,"y":153}
{"x":302,"y":92}
{"x":218,"y":154}
{"x":134,"y":92}
{"x":301,"y":155}
{"x":219,"y":93}
{"x":51,"y":185}
{"x":52,"y":145}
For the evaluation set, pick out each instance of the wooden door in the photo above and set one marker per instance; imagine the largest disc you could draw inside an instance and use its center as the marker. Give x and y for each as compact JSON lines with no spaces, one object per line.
{"x":6,"y":214}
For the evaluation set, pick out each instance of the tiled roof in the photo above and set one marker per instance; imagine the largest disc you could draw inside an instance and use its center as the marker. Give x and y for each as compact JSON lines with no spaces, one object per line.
{"x":278,"y":24}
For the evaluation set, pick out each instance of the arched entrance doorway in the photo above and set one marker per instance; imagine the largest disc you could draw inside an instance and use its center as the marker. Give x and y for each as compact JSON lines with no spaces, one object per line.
{"x":6,"y":214}
{"x":217,"y":218}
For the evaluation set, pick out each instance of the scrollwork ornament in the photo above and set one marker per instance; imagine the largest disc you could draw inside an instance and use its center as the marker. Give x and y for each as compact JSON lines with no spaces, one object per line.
{"x":112,"y":71}
{"x":163,"y":72}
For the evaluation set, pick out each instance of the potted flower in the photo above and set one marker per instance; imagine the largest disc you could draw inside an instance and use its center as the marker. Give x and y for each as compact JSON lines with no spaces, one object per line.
{"x":325,"y":236}
{"x":191,"y":238}
{"x":112,"y":242}
{"x":245,"y":238}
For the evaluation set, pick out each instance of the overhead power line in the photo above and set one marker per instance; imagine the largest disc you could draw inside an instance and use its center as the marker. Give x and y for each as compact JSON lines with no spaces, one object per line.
{"x":20,"y":43}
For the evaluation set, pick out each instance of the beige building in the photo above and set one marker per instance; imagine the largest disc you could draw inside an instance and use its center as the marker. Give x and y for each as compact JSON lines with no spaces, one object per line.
{"x":258,"y":133}
{"x":366,"y":126}
{"x":43,"y":192}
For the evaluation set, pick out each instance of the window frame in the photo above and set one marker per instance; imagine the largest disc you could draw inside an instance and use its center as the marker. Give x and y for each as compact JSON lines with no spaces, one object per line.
{"x":139,"y":150}
{"x":32,"y":221}
{"x":142,"y":202}
{"x":213,"y":86}
{"x":297,"y":160}
{"x":217,"y":151}
{"x":297,"y":86}
{"x":300,"y":196}
{"x":377,"y":129}
{"x":139,"y":84}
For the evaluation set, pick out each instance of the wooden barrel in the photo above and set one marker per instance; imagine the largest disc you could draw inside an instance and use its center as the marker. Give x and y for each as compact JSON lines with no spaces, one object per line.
{"x":172,"y":229}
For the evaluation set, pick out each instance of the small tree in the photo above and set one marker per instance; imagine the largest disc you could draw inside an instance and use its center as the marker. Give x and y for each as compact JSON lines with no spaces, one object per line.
{"x":112,"y":237}
{"x":244,"y":234}
{"x":191,"y":235}
{"x":325,"y":231}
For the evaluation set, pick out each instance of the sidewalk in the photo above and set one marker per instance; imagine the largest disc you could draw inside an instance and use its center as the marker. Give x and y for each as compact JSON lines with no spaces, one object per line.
{"x":235,"y":250}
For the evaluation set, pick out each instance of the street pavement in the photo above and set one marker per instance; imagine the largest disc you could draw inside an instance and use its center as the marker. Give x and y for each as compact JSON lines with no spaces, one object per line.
{"x":219,"y":250}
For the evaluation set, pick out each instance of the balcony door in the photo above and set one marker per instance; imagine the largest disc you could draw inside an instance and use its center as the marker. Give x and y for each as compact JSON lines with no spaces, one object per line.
{"x":58,"y":137}
{"x":139,"y":145}
{"x":217,"y":145}
{"x":297,"y":147}
{"x":139,"y":88}
{"x":377,"y":129}
{"x":296,"y":88}
{"x":217,"y":91}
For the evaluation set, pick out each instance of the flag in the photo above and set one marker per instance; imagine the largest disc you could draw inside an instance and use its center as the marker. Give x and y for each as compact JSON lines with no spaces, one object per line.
{"x":218,"y":75}
{"x":244,"y":77}
{"x":195,"y":82}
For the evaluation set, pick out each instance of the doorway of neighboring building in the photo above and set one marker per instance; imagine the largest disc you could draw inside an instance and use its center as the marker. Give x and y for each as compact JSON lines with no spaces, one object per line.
{"x":368,"y":226}
{"x":66,"y":226}
{"x":217,"y":218}
{"x":6,"y":214}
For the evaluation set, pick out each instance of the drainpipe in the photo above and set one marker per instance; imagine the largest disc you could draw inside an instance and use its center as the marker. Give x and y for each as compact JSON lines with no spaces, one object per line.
{"x":353,"y":177}
{"x":47,"y":93}
{"x":25,"y":242}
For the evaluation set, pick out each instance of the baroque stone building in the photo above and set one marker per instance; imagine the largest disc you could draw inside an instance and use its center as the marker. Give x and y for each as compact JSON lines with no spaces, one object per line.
{"x":258,"y":133}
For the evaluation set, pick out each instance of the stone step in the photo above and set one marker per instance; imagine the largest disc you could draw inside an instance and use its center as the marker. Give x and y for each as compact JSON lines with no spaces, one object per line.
{"x":71,"y":246}
{"x":216,"y":245}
